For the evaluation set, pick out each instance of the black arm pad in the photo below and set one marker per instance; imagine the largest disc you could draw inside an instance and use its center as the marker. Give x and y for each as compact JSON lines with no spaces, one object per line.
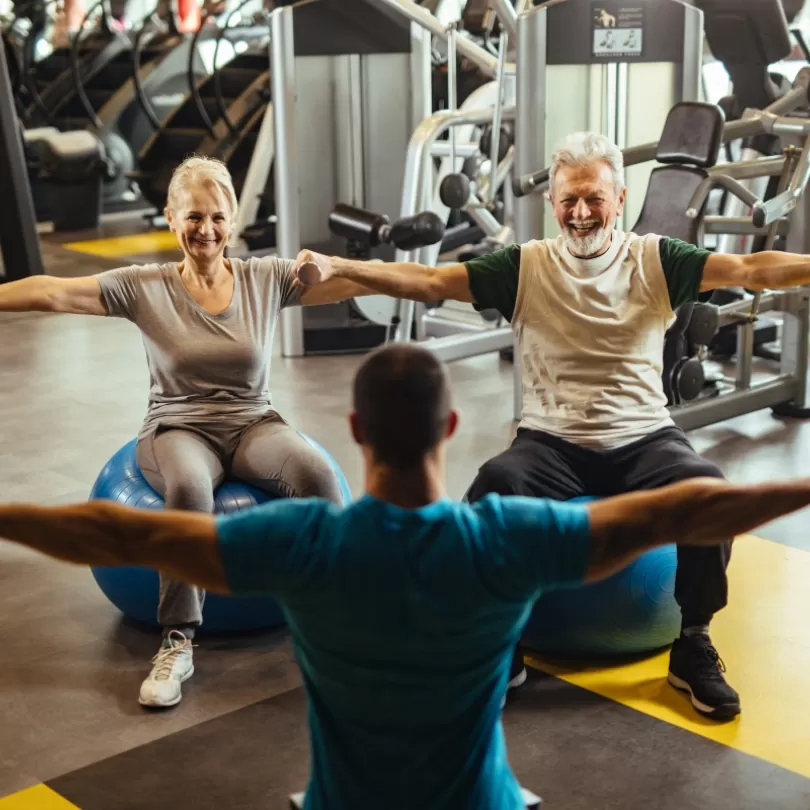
{"x":417,"y":231}
{"x":358,"y":225}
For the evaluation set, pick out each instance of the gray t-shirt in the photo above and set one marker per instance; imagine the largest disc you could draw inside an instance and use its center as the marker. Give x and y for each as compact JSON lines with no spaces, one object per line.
{"x":201,"y":364}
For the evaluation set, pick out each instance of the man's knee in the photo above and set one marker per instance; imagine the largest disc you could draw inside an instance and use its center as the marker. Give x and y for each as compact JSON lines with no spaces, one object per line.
{"x":495,"y":477}
{"x":696,"y":467}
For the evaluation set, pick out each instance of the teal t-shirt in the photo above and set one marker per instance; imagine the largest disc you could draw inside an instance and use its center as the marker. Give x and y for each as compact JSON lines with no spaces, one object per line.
{"x":494,"y":277}
{"x":404,"y":624}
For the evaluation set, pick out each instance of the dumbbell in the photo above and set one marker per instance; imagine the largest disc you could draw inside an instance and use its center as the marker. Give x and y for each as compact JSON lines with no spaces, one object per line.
{"x":310,"y":273}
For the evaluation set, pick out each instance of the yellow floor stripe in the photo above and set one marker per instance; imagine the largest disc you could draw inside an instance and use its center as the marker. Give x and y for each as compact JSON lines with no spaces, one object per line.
{"x":39,"y":797}
{"x":153,"y":242}
{"x":764,"y":638}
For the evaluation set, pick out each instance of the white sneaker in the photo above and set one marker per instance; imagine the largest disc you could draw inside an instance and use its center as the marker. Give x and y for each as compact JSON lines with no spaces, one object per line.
{"x":172,"y":666}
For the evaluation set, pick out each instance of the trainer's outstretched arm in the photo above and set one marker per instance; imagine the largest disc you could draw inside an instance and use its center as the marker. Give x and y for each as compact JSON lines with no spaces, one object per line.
{"x":79,"y":296}
{"x":181,"y":544}
{"x":698,"y":512}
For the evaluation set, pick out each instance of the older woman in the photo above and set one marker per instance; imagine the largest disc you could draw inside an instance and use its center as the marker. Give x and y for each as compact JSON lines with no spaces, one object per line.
{"x":208,"y":324}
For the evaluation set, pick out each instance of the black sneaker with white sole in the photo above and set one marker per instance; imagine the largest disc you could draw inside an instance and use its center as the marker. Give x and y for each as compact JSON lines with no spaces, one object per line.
{"x":696,"y":668}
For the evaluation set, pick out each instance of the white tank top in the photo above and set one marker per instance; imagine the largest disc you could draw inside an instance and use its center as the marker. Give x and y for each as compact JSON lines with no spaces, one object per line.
{"x":590,"y":334}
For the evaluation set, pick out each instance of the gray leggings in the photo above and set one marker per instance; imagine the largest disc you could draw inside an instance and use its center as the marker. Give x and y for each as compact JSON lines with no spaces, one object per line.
{"x":185,"y":465}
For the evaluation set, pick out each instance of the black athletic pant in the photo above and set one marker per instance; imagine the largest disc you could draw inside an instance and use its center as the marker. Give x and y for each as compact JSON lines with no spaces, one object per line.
{"x":544,"y":466}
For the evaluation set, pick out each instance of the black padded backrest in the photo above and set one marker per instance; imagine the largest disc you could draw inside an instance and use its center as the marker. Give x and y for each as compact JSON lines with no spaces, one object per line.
{"x":668,"y":194}
{"x":692,"y":135}
{"x":689,"y":145}
{"x":747,"y":36}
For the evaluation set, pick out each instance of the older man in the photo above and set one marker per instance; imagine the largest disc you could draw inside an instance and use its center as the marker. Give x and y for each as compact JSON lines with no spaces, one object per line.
{"x":590,"y":309}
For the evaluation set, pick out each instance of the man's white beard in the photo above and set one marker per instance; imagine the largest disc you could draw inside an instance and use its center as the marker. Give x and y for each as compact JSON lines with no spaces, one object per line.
{"x":585,"y":245}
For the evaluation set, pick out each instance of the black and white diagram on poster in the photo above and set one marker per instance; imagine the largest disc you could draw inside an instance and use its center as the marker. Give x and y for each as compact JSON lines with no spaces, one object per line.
{"x":618,"y":28}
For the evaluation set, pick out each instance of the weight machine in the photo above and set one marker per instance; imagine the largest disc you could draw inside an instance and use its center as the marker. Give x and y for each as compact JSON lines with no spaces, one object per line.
{"x":368,"y":142}
{"x":786,"y":214}
{"x":562,"y":81}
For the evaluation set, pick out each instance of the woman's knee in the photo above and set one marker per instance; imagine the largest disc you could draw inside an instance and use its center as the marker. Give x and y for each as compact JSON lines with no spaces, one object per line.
{"x":181,"y":467}
{"x":316,"y":477}
{"x":275,"y":457}
{"x":190,"y":494}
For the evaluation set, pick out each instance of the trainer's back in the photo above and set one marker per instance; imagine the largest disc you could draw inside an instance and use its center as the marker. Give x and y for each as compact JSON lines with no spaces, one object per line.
{"x":404,"y":622}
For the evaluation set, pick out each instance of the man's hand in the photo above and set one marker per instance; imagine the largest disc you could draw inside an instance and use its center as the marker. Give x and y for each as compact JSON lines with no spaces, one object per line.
{"x":312,"y":268}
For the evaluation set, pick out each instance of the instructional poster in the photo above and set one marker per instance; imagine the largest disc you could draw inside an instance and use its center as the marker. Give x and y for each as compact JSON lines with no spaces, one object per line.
{"x":618,"y":28}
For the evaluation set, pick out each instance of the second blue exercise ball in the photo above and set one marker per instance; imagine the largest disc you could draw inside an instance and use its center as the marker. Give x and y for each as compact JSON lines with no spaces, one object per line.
{"x":629,"y":613}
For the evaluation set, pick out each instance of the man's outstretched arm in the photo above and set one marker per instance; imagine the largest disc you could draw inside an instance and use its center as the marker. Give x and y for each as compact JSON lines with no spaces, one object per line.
{"x":184,"y":545}
{"x":698,"y":512}
{"x":766,"y":270}
{"x":409,"y":280}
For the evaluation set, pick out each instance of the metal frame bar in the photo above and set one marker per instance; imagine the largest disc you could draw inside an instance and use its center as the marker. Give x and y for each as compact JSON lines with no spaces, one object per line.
{"x":413,"y":186}
{"x":467,"y":344}
{"x":466,"y":47}
{"x":750,"y":169}
{"x":530,"y":148}
{"x":739,"y":226}
{"x":435,"y":326}
{"x":258,"y":170}
{"x":699,"y":413}
{"x":19,"y":242}
{"x":288,"y":230}
{"x":507,"y":15}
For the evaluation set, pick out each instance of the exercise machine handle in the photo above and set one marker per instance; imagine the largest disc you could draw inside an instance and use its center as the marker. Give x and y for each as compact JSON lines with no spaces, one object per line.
{"x":764,"y":213}
{"x":536,"y":181}
{"x":698,"y":199}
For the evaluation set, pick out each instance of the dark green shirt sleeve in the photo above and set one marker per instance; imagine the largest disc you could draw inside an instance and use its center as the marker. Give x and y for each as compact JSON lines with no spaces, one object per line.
{"x":494,"y":280}
{"x":683,"y":269}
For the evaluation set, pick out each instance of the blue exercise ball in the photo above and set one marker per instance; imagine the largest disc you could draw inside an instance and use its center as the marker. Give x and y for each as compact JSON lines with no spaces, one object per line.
{"x":135,"y":591}
{"x":632,"y":612}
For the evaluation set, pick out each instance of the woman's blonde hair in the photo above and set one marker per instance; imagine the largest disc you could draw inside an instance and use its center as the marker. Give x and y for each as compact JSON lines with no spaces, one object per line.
{"x":200,"y":170}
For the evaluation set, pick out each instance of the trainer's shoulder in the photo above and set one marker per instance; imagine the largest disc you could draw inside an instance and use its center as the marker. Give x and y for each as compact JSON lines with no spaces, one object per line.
{"x":516,"y":513}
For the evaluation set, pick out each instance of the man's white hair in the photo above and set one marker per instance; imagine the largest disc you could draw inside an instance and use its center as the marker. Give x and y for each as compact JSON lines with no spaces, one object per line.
{"x":584,"y":149}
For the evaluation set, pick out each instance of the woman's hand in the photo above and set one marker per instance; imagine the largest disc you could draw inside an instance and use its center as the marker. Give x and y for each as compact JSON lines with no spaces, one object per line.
{"x":312,"y":268}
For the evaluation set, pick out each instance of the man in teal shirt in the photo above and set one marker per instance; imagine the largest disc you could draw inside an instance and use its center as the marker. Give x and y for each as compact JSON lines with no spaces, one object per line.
{"x":404,"y":606}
